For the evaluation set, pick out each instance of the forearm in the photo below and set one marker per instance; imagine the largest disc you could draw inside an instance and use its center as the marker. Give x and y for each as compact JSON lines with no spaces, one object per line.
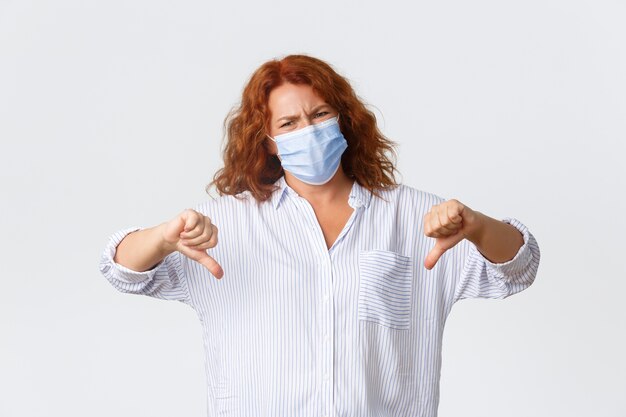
{"x":496,"y":240}
{"x":143,"y":249}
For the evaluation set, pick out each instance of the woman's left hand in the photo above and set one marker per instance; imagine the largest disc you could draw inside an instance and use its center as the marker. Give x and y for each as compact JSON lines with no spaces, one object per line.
{"x":449,"y":222}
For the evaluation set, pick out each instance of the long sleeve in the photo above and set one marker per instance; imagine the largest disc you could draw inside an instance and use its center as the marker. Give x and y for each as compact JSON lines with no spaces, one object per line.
{"x":166,"y":280}
{"x":474,"y":276}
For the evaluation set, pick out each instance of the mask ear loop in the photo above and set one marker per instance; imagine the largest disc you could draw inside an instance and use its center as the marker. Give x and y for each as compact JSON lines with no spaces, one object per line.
{"x":276,"y":146}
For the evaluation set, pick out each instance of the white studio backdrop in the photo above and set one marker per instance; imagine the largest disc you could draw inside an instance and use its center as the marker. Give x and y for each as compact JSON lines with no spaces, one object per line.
{"x":111,"y":115}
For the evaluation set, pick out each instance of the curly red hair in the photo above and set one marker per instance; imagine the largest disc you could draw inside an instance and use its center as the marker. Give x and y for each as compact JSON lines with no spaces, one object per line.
{"x":249,"y":164}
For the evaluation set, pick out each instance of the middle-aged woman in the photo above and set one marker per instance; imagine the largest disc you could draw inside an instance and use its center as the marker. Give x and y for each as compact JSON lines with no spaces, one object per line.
{"x":334,"y":282}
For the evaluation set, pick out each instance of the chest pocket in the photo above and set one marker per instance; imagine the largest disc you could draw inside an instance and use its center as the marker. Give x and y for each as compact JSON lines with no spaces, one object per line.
{"x":385,"y":288}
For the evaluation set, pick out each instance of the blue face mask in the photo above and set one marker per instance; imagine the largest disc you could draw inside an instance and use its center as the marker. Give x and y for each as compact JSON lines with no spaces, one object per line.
{"x":312,"y":154}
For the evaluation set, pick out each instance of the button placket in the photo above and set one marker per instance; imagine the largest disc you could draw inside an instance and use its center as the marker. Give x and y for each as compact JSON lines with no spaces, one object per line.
{"x":326,"y":308}
{"x":326,"y":333}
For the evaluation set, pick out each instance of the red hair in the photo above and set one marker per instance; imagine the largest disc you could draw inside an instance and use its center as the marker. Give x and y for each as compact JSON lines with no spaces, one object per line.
{"x":248,"y":163}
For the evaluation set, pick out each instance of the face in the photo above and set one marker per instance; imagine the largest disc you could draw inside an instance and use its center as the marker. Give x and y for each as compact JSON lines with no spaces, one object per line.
{"x":293,"y":107}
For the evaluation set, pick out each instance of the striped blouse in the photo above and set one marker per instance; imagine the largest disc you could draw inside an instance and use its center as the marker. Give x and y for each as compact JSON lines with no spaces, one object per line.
{"x":296,"y":329}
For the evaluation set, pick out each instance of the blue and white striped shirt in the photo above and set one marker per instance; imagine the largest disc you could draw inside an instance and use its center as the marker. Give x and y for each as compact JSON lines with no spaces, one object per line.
{"x":296,"y":329}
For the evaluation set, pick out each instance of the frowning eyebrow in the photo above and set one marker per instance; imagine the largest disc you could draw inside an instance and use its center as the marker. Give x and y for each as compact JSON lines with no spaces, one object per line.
{"x":315,"y":110}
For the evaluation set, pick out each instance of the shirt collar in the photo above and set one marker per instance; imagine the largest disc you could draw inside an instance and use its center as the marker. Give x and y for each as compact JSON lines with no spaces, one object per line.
{"x":277,"y":195}
{"x":359,"y":195}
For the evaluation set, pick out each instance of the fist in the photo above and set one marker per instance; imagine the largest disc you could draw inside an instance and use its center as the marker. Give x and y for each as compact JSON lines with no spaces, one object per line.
{"x":191,"y":233}
{"x":449,"y":223}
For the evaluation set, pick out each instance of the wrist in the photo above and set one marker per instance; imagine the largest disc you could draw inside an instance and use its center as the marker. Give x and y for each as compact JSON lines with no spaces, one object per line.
{"x":476,"y":228}
{"x":164,"y":246}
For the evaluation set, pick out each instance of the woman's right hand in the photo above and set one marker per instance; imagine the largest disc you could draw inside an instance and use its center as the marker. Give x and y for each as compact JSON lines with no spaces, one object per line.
{"x":191,"y":233}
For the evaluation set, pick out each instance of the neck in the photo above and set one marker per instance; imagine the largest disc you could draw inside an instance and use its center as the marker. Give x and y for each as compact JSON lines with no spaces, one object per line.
{"x":337,"y":189}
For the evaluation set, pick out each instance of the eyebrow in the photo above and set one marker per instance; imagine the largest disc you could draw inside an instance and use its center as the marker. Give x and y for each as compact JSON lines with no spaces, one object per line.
{"x":315,"y":110}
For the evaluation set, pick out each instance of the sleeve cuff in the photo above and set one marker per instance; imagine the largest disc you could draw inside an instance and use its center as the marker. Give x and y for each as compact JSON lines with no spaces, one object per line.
{"x":521,"y":259}
{"x":119,"y":271}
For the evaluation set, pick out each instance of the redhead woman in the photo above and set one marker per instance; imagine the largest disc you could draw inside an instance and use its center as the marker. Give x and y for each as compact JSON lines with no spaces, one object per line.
{"x":322,"y":284}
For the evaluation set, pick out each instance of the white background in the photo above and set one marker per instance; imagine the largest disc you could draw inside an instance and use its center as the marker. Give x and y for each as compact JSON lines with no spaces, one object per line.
{"x":111,"y":116}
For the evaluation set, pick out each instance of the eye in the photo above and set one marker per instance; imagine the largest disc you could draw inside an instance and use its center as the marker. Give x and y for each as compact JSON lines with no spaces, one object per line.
{"x":321,"y":114}
{"x":286,"y":124}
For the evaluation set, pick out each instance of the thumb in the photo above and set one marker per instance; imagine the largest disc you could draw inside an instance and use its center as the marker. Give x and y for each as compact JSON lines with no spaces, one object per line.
{"x":205,"y":260}
{"x":442,"y":244}
{"x":434,"y":255}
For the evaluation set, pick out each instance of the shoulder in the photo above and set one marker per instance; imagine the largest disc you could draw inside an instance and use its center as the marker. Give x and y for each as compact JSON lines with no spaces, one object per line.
{"x":406,"y":194}
{"x":214,"y":205}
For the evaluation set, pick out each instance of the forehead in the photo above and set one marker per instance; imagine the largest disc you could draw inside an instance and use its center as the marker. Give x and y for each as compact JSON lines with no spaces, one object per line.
{"x":292,"y":98}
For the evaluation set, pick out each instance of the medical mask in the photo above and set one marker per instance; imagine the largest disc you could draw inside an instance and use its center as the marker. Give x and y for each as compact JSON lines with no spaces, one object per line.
{"x":312,"y":154}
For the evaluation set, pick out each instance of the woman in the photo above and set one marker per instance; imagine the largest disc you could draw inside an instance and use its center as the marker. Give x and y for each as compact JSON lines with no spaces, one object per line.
{"x":334,"y":282}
